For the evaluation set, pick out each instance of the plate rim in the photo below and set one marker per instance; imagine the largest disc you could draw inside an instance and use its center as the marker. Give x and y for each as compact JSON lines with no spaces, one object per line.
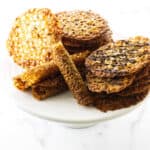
{"x":75,"y":121}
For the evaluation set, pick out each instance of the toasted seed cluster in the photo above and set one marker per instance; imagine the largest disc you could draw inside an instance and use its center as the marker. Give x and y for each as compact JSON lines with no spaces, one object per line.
{"x":82,"y":25}
{"x":31,"y":37}
{"x":121,"y":58}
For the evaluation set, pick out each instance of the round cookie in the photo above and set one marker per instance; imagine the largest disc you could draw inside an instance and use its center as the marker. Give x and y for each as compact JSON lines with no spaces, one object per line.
{"x":31,"y":37}
{"x":83,"y":29}
{"x":117,"y":84}
{"x":110,"y":103}
{"x":136,"y":87}
{"x":121,"y":58}
{"x":108,"y":85}
{"x":144,"y":73}
{"x":74,"y":48}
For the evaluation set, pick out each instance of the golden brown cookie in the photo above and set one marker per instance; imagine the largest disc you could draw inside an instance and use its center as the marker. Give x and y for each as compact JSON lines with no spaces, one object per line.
{"x":122,"y":58}
{"x":49,"y":87}
{"x":110,"y":103}
{"x":145,"y":72}
{"x":116,"y":84}
{"x":38,"y":73}
{"x":31,"y":37}
{"x":84,"y":29}
{"x":137,"y":87}
{"x":53,"y":85}
{"x":73,"y":50}
{"x":71,"y":75}
{"x":108,"y":85}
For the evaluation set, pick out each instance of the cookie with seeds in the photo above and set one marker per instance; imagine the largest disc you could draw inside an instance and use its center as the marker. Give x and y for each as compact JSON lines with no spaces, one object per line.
{"x":140,"y":83}
{"x":31,"y":37}
{"x":73,"y":50}
{"x":138,"y":86}
{"x":49,"y":69}
{"x":121,"y":58}
{"x":53,"y":85}
{"x":71,"y":75}
{"x":143,"y":73}
{"x":109,"y":103}
{"x":78,"y":48}
{"x":108,"y":85}
{"x":84,"y":29}
{"x":116,"y":84}
{"x":49,"y":87}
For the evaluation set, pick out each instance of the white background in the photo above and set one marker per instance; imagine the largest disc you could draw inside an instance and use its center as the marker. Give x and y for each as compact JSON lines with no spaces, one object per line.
{"x":20,"y":131}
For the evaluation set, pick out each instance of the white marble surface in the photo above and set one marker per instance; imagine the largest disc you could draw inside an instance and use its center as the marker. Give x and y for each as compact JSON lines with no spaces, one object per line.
{"x":21,"y":131}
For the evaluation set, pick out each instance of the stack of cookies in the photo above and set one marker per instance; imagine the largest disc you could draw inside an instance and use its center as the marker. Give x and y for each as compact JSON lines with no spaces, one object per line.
{"x":83,"y":30}
{"x":30,"y":45}
{"x":119,"y":73}
{"x":57,"y":54}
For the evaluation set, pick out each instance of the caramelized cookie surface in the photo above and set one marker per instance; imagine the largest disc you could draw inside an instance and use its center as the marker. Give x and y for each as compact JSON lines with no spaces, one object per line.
{"x":122,"y":58}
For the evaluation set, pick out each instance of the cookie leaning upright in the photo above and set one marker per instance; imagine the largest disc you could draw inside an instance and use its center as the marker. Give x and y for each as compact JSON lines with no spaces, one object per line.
{"x":31,"y":37}
{"x":83,"y":30}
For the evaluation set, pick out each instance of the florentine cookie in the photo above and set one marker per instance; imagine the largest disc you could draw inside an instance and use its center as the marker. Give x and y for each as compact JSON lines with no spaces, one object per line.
{"x":49,"y":69}
{"x":116,"y":84}
{"x":53,"y":85}
{"x":71,"y":75}
{"x":31,"y":37}
{"x":108,"y":85}
{"x":73,"y":50}
{"x":122,"y":58}
{"x":110,"y":103}
{"x":145,"y":72}
{"x":49,"y":87}
{"x":83,"y":29}
{"x":137,"y":87}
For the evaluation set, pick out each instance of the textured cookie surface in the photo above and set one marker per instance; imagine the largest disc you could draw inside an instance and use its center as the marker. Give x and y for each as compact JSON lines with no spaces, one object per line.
{"x":31,"y":37}
{"x":71,"y":75}
{"x":49,"y":69}
{"x":108,"y":85}
{"x":82,"y":26}
{"x":121,"y":58}
{"x":53,"y":85}
{"x":117,"y":84}
{"x":78,"y":47}
{"x":110,"y":103}
{"x":136,"y":88}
